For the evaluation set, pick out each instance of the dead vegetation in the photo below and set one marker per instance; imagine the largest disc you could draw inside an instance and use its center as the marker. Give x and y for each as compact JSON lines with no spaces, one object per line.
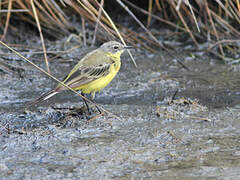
{"x":216,"y":22}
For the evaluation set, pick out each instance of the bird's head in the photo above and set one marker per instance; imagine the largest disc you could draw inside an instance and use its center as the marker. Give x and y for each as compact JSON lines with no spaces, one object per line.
{"x":114,"y":48}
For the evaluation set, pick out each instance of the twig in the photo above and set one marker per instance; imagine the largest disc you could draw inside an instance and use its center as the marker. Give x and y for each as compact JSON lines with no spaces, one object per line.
{"x":213,"y":26}
{"x":97,"y":23}
{"x":8,"y":19}
{"x":222,"y":42}
{"x":150,"y":3}
{"x":225,"y":9}
{"x":63,"y":52}
{"x":14,"y":10}
{"x":95,"y":117}
{"x":84,"y":32}
{"x":194,"y":17}
{"x":185,"y":25}
{"x":138,"y":21}
{"x":41,"y":36}
{"x":154,"y":16}
{"x":200,"y":118}
{"x":93,"y":16}
{"x":234,"y":31}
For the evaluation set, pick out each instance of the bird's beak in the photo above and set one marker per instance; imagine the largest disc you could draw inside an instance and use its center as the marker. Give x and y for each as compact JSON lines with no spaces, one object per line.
{"x":128,"y":47}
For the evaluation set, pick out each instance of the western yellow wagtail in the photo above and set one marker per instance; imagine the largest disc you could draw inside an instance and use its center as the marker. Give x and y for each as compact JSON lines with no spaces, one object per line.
{"x":93,"y":72}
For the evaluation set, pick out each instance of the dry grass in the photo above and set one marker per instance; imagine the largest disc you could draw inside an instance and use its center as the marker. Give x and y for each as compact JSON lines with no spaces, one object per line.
{"x":217,"y":22}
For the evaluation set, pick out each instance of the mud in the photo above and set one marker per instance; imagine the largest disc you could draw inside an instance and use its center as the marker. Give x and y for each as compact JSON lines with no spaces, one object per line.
{"x":170,"y":122}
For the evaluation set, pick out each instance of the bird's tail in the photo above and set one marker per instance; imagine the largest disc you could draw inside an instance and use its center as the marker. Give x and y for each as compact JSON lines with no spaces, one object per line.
{"x":43,"y":97}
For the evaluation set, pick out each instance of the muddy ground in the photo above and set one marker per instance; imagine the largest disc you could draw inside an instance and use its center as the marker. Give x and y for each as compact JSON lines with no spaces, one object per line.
{"x":170,"y":122}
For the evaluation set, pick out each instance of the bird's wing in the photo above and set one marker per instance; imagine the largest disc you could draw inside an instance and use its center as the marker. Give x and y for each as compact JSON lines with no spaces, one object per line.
{"x":85,"y":75}
{"x":91,"y":67}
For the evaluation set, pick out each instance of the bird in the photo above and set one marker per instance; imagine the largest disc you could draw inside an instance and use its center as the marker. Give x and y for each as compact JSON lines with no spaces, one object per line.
{"x":92,"y":73}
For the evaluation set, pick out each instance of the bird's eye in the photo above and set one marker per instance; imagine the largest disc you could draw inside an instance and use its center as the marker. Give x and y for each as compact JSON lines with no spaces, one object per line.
{"x":115,"y":47}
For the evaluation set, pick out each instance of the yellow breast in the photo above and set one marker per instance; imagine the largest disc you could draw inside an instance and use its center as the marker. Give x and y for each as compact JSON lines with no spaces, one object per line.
{"x":102,"y":82}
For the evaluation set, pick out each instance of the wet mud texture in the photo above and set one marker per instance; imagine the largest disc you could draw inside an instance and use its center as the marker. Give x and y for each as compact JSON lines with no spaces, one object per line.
{"x":172,"y":122}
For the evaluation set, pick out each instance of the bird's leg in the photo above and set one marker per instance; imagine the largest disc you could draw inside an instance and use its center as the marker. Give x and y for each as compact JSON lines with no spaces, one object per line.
{"x":85,"y":102}
{"x":100,"y":112}
{"x":92,"y":98}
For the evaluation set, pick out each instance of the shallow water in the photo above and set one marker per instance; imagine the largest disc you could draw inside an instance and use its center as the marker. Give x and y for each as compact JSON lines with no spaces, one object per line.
{"x":194,"y":134}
